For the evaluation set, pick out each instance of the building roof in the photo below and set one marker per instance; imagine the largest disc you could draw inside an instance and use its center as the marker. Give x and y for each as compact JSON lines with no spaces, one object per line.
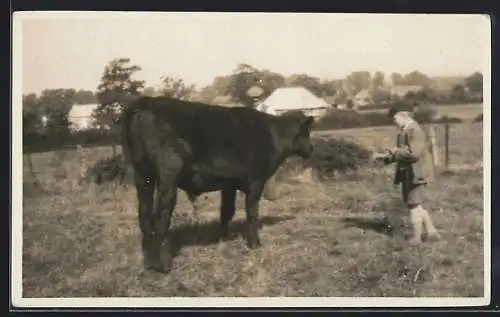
{"x":401,"y":90}
{"x":292,"y":98}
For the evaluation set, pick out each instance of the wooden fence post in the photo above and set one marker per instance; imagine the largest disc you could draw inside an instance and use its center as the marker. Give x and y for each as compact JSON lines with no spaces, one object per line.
{"x":447,"y":143}
{"x":433,"y":144}
{"x":82,"y":161}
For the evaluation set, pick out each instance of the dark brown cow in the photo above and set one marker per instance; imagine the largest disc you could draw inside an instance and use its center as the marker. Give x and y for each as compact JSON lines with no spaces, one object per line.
{"x":201,"y":148}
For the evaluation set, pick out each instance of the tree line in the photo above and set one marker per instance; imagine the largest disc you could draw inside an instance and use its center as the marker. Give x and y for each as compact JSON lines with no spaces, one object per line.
{"x":46,"y":116}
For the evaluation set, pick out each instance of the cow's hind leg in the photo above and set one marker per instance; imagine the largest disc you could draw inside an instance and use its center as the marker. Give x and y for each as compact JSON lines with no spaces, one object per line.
{"x":166,"y":198}
{"x":252,"y":200}
{"x":227,"y":210}
{"x":145,"y":185}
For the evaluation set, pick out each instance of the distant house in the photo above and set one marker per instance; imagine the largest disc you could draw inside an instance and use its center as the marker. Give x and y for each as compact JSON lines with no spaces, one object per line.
{"x":331,"y":100}
{"x":80,"y":116}
{"x":294,"y":98}
{"x":343,"y":99}
{"x":362,"y":98}
{"x":226,"y":101}
{"x":221,"y":100}
{"x":401,"y":90}
{"x":195,"y":96}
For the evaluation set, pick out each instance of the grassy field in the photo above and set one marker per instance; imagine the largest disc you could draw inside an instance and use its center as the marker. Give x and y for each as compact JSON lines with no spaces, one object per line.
{"x":324,"y":239}
{"x":463,"y":111}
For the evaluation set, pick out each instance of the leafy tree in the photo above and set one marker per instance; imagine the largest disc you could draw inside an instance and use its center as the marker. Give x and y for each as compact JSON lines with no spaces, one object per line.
{"x":426,"y":95}
{"x":30,"y":102}
{"x":378,"y":80}
{"x":475,"y":83}
{"x":32,"y":125}
{"x":397,"y":79}
{"x":359,"y":80}
{"x":116,"y":90}
{"x":208,"y":94}
{"x":32,"y":121}
{"x":458,"y":93}
{"x":380,"y":95}
{"x":149,"y":91}
{"x":328,"y":88}
{"x":221,"y":85}
{"x":176,"y":88}
{"x":270,"y":81}
{"x":55,"y":106}
{"x":341,"y":96}
{"x":333,"y":86}
{"x":313,"y":84}
{"x":83,"y":97}
{"x":416,"y":78}
{"x":238,"y":83}
{"x":244,"y":77}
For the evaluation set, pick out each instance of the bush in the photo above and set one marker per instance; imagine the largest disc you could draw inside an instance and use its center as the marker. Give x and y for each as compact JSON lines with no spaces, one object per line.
{"x":330,"y":156}
{"x":42,"y":142}
{"x":378,"y":106}
{"x":92,"y":137}
{"x":347,"y":119}
{"x":337,"y":155}
{"x":108,"y":169}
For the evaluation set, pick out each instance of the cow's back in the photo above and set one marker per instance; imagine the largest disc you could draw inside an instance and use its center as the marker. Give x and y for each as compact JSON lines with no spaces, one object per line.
{"x":237,"y":135}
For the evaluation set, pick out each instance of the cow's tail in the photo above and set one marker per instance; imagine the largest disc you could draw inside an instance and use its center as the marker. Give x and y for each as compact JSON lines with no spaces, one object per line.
{"x":126,"y":118}
{"x":125,"y":121}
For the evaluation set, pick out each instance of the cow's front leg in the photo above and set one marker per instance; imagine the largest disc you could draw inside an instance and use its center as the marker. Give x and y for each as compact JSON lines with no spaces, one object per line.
{"x":252,"y":200}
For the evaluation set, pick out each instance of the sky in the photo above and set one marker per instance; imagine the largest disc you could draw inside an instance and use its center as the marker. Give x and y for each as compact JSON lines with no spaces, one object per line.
{"x":71,"y":50}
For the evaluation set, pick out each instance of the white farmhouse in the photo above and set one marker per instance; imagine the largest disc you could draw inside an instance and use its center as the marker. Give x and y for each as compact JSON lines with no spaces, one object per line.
{"x":294,"y":98}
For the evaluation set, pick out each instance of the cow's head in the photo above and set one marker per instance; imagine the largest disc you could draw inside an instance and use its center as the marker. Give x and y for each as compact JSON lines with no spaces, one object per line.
{"x":300,"y":131}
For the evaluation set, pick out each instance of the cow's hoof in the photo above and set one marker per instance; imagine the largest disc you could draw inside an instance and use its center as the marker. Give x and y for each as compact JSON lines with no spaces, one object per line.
{"x":148,"y":262}
{"x":157,"y":267}
{"x":160,"y":265}
{"x":165,"y":258}
{"x":254,"y":244}
{"x":153,"y":264}
{"x":227,"y":237}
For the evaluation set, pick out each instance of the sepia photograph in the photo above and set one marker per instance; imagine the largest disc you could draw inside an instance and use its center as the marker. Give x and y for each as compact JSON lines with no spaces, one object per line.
{"x":177,"y":159}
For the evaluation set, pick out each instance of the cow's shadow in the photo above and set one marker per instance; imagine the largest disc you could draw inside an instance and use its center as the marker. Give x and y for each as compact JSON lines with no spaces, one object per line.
{"x":209,"y":233}
{"x":379,"y":225}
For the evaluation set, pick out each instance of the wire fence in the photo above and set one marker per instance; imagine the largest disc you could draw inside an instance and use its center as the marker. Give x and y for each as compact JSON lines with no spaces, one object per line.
{"x":86,"y":146}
